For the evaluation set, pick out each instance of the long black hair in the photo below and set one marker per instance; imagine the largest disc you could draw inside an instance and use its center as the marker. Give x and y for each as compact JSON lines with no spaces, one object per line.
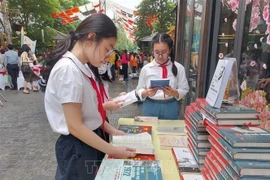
{"x":165,"y":38}
{"x":98,"y":23}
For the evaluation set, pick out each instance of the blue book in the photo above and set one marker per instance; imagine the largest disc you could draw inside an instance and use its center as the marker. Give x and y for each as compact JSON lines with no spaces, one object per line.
{"x":159,"y":83}
{"x":199,"y":143}
{"x":197,"y":135}
{"x":243,"y":136}
{"x":244,"y":167}
{"x":120,"y":169}
{"x":228,"y":111}
{"x":223,"y":162}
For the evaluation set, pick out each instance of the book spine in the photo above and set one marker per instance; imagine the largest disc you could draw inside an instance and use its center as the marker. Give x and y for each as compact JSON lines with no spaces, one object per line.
{"x":209,"y":170}
{"x":219,"y":167}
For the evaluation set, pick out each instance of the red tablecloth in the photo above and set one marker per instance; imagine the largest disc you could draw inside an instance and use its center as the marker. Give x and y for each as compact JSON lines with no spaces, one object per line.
{"x":3,"y":72}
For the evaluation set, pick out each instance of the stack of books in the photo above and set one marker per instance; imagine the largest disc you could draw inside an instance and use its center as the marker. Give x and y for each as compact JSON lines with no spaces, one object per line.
{"x":197,"y":135}
{"x":240,"y":149}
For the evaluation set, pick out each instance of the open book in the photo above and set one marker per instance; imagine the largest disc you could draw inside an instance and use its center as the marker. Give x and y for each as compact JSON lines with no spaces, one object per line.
{"x":127,"y":99}
{"x":141,"y":142}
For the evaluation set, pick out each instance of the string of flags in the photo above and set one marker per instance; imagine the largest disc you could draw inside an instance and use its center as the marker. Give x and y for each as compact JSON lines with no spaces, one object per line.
{"x":77,"y":13}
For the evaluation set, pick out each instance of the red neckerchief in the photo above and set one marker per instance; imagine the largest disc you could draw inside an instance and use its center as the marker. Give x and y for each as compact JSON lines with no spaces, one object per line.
{"x":164,"y":74}
{"x":100,"y":98}
{"x":103,"y":93}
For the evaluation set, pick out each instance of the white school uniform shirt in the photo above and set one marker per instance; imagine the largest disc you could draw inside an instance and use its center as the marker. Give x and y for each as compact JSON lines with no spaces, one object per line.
{"x":153,"y":71}
{"x":69,"y":83}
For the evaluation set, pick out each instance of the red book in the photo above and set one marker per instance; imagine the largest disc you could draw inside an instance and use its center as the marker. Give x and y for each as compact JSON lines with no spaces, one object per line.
{"x":214,"y":169}
{"x":209,"y":171}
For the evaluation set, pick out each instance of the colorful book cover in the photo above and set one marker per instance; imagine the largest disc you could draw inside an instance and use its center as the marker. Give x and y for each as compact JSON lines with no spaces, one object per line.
{"x":118,"y":169}
{"x":198,"y":135}
{"x":135,"y":129}
{"x":185,"y":161}
{"x":228,"y":111}
{"x":139,"y":157}
{"x":145,"y":119}
{"x":199,"y":151}
{"x":195,"y":115}
{"x":243,"y":136}
{"x":168,"y":142}
{"x":261,"y":154}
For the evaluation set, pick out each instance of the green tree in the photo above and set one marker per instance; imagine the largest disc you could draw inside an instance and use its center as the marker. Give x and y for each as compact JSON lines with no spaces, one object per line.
{"x":123,"y":42}
{"x":36,"y":16}
{"x":162,"y":9}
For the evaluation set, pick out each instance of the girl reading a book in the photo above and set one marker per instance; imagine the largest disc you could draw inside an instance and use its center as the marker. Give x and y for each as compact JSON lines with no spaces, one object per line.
{"x":162,"y":102}
{"x":73,"y":102}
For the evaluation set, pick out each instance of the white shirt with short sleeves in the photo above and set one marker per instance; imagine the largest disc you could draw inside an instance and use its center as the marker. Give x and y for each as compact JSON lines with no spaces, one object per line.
{"x":69,"y":83}
{"x":153,"y":71}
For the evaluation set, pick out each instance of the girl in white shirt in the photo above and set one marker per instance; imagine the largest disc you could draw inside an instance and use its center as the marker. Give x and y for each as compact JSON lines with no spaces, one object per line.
{"x":73,"y":103}
{"x":163,"y":103}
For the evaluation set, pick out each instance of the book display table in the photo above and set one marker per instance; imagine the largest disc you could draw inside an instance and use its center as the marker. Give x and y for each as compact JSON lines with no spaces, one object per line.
{"x":168,"y":165}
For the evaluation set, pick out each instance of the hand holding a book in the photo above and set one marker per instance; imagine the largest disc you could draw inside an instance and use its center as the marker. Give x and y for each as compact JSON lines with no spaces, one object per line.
{"x":123,"y":152}
{"x":118,"y":133}
{"x":168,"y":90}
{"x":113,"y":105}
{"x":149,"y":92}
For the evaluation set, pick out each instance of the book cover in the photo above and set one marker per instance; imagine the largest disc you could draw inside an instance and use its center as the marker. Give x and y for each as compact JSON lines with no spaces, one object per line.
{"x":209,"y":171}
{"x":118,"y":169}
{"x":246,"y":153}
{"x":159,"y":83}
{"x":199,"y":151}
{"x":185,"y":161}
{"x":219,"y":82}
{"x":135,"y":129}
{"x":228,"y":111}
{"x":141,"y":142}
{"x":197,"y":135}
{"x":168,"y":142}
{"x":191,"y":177}
{"x":205,"y":174}
{"x":145,"y":119}
{"x":139,"y":157}
{"x":243,"y":136}
{"x":195,"y":115}
{"x":170,"y":130}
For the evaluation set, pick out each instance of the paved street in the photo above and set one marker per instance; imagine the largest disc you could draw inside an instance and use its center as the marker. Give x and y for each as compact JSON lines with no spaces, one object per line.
{"x":26,"y":139}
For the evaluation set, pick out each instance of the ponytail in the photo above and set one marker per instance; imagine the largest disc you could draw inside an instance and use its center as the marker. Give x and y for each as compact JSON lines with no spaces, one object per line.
{"x":65,"y":45}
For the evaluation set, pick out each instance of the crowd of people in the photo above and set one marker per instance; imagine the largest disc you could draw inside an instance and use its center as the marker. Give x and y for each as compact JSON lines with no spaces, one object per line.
{"x":13,"y":61}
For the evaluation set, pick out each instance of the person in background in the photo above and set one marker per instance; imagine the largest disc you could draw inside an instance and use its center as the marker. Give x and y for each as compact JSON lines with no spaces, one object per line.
{"x":133,"y":62}
{"x":112,"y":68}
{"x":26,"y":68}
{"x":73,"y":102}
{"x":11,"y":62}
{"x":124,"y":63}
{"x":163,"y":103}
{"x":2,"y":57}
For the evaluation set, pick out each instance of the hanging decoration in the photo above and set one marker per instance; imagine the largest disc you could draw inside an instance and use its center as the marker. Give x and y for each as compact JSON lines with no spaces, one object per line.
{"x":77,"y":13}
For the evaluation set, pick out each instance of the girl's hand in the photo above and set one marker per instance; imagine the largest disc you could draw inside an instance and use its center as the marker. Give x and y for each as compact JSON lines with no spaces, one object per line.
{"x":123,"y":152}
{"x":149,"y":92}
{"x":122,"y":93}
{"x":113,"y":105}
{"x":168,"y":90}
